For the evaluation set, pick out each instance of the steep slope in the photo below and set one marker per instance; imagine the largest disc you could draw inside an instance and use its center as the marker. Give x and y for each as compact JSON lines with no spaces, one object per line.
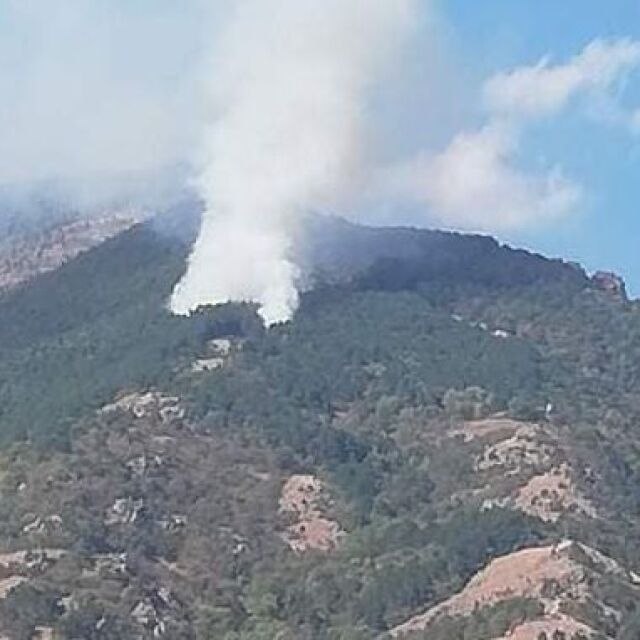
{"x":563,"y":580}
{"x":85,"y":330}
{"x":29,"y":256}
{"x":429,"y":420}
{"x":110,"y":304}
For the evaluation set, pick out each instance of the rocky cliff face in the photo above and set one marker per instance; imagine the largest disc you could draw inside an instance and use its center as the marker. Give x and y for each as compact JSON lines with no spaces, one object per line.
{"x":31,"y":255}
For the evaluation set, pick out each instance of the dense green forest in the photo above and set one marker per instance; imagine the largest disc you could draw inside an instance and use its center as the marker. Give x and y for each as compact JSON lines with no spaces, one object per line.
{"x":73,"y":337}
{"x":405,"y":339}
{"x":100,"y":323}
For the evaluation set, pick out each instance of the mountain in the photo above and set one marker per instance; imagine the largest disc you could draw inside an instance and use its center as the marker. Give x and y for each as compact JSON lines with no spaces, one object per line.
{"x":443,"y":443}
{"x":24,"y":258}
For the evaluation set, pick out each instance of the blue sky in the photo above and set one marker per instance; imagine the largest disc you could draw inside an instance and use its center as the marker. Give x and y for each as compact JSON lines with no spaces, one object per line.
{"x":493,"y":35}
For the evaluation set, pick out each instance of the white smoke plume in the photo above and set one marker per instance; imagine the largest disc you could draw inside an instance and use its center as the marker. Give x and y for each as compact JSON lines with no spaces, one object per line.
{"x":287,"y":89}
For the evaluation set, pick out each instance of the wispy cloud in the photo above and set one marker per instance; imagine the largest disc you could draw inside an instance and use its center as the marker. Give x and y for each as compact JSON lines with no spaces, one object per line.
{"x":473,"y":183}
{"x":477,"y":182}
{"x":544,"y":89}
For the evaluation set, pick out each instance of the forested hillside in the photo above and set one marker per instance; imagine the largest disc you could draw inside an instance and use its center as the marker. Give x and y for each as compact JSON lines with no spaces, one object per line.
{"x":441,"y":411}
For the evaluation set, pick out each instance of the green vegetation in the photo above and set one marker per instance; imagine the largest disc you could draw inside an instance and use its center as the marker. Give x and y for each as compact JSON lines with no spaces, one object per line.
{"x":362,"y":390}
{"x":486,"y":624}
{"x":72,"y":338}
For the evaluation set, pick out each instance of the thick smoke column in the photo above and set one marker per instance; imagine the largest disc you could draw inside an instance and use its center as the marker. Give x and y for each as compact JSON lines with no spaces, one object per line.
{"x":288,"y":89}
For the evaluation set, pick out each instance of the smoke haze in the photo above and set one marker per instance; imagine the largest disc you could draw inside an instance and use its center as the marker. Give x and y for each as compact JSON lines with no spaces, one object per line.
{"x":86,"y":113}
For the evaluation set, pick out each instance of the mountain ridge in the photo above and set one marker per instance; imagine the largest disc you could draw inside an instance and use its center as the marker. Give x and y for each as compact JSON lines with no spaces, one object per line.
{"x":426,"y":413}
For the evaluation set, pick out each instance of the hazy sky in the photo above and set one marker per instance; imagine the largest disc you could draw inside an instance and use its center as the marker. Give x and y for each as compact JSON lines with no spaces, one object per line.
{"x":94,"y":85}
{"x":102,"y":86}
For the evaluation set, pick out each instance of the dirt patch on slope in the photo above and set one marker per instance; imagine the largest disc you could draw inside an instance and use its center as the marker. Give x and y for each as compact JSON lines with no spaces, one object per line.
{"x":523,"y":574}
{"x":549,"y":625}
{"x":16,"y":567}
{"x":8,"y":584}
{"x":549,"y":495}
{"x":512,"y":445}
{"x":521,"y":450}
{"x":523,"y":466}
{"x":304,"y":498}
{"x":148,"y":405}
{"x":473,"y":429}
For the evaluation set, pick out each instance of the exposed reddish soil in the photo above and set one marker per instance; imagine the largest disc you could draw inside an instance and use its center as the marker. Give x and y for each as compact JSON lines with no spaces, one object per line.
{"x":549,"y":495}
{"x":549,"y":625}
{"x":522,"y":574}
{"x":304,"y":498}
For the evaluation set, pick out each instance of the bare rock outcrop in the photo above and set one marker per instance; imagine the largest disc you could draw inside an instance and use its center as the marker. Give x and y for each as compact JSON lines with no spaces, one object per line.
{"x":33,"y":255}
